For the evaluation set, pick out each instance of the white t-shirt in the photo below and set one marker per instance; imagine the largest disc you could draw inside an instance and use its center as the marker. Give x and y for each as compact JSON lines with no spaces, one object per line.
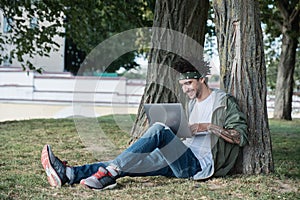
{"x":201,"y":144}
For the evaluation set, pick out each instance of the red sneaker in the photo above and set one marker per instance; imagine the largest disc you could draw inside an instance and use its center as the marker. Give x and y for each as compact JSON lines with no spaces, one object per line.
{"x":54,"y":168}
{"x":101,"y":180}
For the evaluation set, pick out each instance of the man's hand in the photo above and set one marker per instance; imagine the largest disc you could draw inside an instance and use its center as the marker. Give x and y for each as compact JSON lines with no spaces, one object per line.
{"x":230,"y":135}
{"x":199,"y":127}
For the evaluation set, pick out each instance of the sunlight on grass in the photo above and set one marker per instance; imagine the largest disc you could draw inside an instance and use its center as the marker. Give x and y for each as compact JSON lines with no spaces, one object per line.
{"x":22,"y":176}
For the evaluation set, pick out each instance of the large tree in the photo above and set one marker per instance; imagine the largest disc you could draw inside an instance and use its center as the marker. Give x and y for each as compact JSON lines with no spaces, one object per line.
{"x":243,"y":70}
{"x":178,"y":25}
{"x":282,"y":18}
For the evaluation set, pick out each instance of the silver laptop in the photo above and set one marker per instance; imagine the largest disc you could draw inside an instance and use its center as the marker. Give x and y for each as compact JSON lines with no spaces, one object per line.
{"x":170,"y":114}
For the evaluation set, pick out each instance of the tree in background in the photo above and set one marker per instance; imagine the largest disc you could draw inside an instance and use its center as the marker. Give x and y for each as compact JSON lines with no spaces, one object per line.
{"x":88,"y":23}
{"x":84,"y":24}
{"x":282,"y":18}
{"x":243,"y":71}
{"x":24,"y":32}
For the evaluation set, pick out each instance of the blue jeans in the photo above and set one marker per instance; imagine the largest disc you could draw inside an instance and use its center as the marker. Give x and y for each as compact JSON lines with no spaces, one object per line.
{"x":157,"y":152}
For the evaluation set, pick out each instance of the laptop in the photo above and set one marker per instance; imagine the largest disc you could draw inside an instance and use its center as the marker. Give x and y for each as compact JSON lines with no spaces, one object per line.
{"x":170,"y":114}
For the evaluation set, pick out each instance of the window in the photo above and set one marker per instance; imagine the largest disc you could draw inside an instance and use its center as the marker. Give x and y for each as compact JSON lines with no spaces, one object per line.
{"x":6,"y":25}
{"x":33,"y":23}
{"x":6,"y":60}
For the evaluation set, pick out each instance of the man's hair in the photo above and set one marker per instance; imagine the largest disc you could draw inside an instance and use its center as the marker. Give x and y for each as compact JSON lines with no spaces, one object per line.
{"x":182,"y":66}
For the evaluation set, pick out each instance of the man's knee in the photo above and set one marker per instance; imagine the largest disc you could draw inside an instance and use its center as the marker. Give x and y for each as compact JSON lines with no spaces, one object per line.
{"x":156,"y":128}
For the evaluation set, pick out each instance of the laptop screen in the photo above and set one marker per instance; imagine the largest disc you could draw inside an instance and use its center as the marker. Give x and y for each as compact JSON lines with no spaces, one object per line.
{"x":170,"y":114}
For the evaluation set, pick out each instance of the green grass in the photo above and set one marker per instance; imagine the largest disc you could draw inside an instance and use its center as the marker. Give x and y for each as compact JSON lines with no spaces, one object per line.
{"x":22,"y":175}
{"x":286,"y":147}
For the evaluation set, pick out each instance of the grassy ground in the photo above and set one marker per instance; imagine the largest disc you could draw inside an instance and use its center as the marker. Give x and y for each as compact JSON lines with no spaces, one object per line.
{"x":22,"y":176}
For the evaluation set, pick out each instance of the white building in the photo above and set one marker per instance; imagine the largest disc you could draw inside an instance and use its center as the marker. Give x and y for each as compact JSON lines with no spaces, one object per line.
{"x":52,"y":94}
{"x":53,"y":63}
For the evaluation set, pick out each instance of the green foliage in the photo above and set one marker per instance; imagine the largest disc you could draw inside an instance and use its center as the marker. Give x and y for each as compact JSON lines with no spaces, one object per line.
{"x":270,"y":15}
{"x":272,"y":61}
{"x":273,"y":20}
{"x":29,"y":39}
{"x":210,"y":36}
{"x":22,"y":175}
{"x":90,"y":22}
{"x":85,"y":22}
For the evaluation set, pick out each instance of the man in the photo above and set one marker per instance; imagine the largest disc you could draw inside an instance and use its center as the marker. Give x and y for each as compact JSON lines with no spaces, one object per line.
{"x":160,"y":152}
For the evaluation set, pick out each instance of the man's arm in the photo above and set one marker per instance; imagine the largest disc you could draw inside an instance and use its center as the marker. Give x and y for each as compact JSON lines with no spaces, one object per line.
{"x":234,"y":130}
{"x":230,"y":135}
{"x":199,"y":127}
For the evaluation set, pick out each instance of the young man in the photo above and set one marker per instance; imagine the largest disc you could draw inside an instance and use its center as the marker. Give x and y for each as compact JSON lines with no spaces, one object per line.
{"x":160,"y":152}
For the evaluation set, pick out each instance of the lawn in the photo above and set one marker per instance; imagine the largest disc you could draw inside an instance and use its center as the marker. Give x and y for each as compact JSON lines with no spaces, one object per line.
{"x":22,"y":175}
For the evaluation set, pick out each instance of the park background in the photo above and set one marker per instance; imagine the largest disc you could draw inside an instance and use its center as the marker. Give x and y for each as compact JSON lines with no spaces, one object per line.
{"x":27,"y":94}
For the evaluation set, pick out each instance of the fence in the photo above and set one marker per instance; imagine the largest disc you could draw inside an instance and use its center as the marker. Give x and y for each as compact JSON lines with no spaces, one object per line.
{"x":17,"y":85}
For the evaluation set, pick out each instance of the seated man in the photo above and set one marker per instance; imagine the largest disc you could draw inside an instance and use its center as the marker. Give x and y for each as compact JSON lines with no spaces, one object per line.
{"x":160,"y":152}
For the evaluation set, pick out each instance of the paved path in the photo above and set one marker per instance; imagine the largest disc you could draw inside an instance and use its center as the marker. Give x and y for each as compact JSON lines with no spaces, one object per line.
{"x":23,"y":111}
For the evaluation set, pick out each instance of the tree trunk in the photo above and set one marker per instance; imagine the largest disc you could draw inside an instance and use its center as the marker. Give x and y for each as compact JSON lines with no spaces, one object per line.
{"x":178,"y":30}
{"x":286,"y":67}
{"x":243,"y":70}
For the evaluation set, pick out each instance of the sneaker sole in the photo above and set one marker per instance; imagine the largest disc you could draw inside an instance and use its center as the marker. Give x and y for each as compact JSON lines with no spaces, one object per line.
{"x":82,"y":182}
{"x":52,"y":176}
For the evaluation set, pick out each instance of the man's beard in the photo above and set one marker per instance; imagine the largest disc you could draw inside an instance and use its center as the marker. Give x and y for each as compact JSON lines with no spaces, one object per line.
{"x":198,"y":93}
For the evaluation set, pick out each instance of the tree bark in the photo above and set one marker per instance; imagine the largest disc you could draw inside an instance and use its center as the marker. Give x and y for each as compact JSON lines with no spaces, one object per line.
{"x":243,"y":71}
{"x":175,"y":23}
{"x":285,"y":81}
